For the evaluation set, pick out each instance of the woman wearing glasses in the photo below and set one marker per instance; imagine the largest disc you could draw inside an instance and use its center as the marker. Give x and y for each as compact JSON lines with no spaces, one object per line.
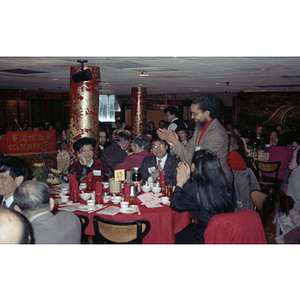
{"x":140,"y":147}
{"x":86,"y":162}
{"x":204,"y":194}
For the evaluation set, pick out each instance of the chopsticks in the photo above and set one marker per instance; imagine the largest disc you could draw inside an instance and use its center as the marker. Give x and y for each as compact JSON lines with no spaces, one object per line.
{"x":96,"y":209}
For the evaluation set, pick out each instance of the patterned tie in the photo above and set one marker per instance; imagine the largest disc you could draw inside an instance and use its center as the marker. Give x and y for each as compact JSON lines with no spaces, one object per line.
{"x":159,"y":168}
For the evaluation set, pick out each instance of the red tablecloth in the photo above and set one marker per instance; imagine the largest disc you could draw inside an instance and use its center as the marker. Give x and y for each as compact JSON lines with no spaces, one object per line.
{"x":164,"y":221}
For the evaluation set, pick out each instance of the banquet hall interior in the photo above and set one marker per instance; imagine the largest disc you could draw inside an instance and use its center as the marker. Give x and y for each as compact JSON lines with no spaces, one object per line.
{"x":38,"y":92}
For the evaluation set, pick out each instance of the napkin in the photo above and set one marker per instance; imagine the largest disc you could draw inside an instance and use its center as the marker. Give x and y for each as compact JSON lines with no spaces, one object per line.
{"x":162,"y":181}
{"x":72,"y":179}
{"x":98,"y":187}
{"x":126,"y":191}
{"x":90,"y":176}
{"x":75,"y":186}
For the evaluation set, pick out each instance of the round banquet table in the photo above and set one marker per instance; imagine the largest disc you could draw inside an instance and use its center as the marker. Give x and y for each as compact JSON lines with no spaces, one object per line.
{"x":164,"y":221}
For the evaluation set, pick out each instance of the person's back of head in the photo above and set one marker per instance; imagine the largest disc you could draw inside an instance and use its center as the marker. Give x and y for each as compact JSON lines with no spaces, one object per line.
{"x":14,"y":227}
{"x":143,"y":141}
{"x":208,"y":102}
{"x":33,"y":197}
{"x":172,"y":110}
{"x":16,"y":166}
{"x":123,"y":135}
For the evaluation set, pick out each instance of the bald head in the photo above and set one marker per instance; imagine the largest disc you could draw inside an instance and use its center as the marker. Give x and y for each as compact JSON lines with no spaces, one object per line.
{"x":14,"y":227}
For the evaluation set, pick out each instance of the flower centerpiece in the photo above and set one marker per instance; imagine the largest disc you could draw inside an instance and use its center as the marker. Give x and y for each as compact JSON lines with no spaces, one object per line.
{"x":47,"y":174}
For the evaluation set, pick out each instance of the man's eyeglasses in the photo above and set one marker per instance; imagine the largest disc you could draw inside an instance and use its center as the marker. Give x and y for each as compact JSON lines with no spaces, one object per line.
{"x":157,"y":146}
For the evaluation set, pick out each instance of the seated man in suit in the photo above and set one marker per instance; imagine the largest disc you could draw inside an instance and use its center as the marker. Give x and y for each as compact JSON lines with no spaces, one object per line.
{"x":162,"y":161}
{"x":14,"y":227}
{"x":13,"y":171}
{"x":32,"y":199}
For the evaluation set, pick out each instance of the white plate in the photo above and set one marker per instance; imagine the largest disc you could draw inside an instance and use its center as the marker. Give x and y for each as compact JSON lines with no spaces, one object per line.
{"x":89,"y":207}
{"x":129,"y":210}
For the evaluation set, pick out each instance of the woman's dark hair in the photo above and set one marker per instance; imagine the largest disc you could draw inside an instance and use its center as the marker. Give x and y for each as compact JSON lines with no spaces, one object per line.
{"x":213,"y":189}
{"x":83,"y":141}
{"x":143,"y":140}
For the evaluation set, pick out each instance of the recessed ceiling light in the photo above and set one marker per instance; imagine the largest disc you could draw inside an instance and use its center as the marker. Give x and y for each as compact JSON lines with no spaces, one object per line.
{"x":142,"y":74}
{"x":262,"y":69}
{"x":55,"y":79}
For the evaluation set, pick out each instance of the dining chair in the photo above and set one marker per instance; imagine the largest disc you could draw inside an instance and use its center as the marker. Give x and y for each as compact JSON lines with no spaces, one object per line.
{"x":240,"y":227}
{"x":262,"y":203}
{"x":84,"y":220}
{"x":119,"y":232}
{"x":268,"y":168}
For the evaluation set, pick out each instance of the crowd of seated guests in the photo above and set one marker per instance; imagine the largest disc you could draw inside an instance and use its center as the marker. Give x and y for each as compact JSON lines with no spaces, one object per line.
{"x":119,"y":150}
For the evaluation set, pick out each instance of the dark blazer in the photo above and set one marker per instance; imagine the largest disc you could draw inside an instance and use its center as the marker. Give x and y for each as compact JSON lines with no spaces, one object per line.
{"x":113,"y":155}
{"x":169,"y":168}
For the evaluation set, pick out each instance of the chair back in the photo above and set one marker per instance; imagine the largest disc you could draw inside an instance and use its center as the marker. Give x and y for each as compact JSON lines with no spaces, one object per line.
{"x":120,"y":232}
{"x":268,"y":167}
{"x":240,"y":227}
{"x":84,"y":221}
{"x":258,"y":199}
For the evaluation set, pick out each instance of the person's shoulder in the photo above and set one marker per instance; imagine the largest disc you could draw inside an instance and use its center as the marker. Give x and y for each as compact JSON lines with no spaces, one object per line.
{"x":67,"y":215}
{"x":174,"y":159}
{"x":148,"y":158}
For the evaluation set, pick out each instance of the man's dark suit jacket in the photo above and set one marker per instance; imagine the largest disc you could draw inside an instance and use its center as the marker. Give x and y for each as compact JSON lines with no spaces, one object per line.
{"x":113,"y":155}
{"x":169,"y":168}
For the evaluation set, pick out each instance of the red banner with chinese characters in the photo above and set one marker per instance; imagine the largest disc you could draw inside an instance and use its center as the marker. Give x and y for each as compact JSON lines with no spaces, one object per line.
{"x":19,"y":142}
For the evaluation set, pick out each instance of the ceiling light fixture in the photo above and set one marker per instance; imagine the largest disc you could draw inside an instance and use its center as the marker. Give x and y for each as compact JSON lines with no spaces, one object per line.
{"x":83,"y":75}
{"x":262,"y":69}
{"x":143,"y":74}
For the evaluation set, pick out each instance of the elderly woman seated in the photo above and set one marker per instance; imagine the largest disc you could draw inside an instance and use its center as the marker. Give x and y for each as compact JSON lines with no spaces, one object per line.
{"x":141,"y":147}
{"x":86,"y":162}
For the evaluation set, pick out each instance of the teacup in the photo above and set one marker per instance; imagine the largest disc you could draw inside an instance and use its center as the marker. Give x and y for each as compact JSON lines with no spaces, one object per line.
{"x":90,"y":202}
{"x":105,"y":185}
{"x":106,"y":199}
{"x":64,"y":199}
{"x":156,"y":190}
{"x":165,"y":200}
{"x":124,"y":204}
{"x":64,"y":190}
{"x":116,"y":199}
{"x":82,"y":186}
{"x":146,"y":188}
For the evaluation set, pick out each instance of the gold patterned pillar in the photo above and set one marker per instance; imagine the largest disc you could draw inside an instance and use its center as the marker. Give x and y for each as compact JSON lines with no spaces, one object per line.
{"x":138,"y":109}
{"x":84,"y":106}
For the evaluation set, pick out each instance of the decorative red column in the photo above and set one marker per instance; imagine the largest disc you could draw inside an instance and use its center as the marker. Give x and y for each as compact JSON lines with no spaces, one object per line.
{"x":138,"y":109}
{"x":84,"y":106}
